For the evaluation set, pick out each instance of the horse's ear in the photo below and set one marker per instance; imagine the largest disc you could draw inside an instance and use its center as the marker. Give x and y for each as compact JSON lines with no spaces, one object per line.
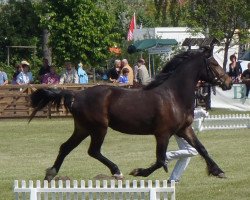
{"x":208,"y":51}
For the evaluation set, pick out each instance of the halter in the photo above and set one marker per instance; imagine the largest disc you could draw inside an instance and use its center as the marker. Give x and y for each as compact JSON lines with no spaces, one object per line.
{"x":218,"y":78}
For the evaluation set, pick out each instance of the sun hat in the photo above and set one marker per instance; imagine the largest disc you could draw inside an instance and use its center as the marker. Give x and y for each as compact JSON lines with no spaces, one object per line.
{"x":24,"y":62}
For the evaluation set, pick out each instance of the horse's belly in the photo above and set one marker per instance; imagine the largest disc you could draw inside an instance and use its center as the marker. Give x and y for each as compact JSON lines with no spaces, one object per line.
{"x":133,"y":129}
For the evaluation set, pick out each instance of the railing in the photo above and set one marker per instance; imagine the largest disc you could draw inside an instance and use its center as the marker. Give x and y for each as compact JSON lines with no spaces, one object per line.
{"x":14,"y":100}
{"x":230,"y":121}
{"x":98,"y":190}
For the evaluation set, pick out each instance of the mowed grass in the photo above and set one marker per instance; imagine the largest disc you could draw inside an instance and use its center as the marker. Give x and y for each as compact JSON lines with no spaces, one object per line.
{"x":26,"y":150}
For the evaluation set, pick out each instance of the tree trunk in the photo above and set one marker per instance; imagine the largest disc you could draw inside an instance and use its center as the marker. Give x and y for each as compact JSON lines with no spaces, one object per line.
{"x":227,"y":43}
{"x":47,"y":53}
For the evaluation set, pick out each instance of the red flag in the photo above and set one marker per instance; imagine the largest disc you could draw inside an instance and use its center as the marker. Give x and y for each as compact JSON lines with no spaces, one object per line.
{"x":132,"y":26}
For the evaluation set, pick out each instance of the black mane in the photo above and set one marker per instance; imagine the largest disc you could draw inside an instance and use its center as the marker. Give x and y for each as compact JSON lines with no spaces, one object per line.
{"x":170,"y":68}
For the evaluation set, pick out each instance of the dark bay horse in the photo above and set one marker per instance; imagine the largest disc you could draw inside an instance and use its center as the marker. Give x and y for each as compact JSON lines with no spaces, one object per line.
{"x":162,"y":108}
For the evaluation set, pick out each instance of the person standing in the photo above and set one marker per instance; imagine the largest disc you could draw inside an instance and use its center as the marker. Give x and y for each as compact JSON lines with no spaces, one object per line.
{"x":69,"y":75}
{"x":246,"y":79}
{"x":114,"y":72}
{"x":3,"y":78}
{"x":185,"y":152}
{"x":83,"y":76}
{"x":235,"y":69}
{"x":142,"y":76}
{"x":125,"y":65}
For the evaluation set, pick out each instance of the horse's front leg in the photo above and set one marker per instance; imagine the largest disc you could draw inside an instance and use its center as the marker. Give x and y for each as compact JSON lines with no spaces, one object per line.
{"x":162,"y":141}
{"x":191,"y":138}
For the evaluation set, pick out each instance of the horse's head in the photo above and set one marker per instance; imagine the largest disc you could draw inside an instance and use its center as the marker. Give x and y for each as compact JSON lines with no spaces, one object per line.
{"x":214,"y":73}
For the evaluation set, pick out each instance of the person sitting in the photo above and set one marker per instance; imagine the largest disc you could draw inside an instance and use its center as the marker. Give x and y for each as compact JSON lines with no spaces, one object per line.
{"x":124,"y":77}
{"x":69,"y":75}
{"x":114,"y":72}
{"x":83,"y":77}
{"x":235,"y":69}
{"x":52,"y":77}
{"x":125,"y":65}
{"x":3,"y":78}
{"x":45,"y":68}
{"x":18,"y":70}
{"x":25,"y":76}
{"x":246,"y":79}
{"x":143,"y":76}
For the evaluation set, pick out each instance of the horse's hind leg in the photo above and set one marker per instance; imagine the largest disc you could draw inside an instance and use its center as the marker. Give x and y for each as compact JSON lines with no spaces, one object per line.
{"x":97,"y":138}
{"x":191,"y":138}
{"x":162,"y":141}
{"x":76,"y":138}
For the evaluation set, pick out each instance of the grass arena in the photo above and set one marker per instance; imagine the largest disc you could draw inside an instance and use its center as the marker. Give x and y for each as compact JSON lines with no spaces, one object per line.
{"x":26,"y":150}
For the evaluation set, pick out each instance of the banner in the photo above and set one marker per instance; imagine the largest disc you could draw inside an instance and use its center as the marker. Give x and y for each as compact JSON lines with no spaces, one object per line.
{"x":132,"y":26}
{"x":234,"y":99}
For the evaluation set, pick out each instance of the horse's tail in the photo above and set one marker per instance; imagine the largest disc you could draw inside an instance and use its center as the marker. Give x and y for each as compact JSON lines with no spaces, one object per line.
{"x":42,"y":97}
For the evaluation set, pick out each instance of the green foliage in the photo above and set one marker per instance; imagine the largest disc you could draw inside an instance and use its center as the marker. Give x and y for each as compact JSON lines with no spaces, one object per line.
{"x":80,"y":30}
{"x":222,"y":17}
{"x":19,"y":27}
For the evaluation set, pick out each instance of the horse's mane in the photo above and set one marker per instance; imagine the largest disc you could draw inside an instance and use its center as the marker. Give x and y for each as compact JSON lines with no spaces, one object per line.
{"x":170,"y":68}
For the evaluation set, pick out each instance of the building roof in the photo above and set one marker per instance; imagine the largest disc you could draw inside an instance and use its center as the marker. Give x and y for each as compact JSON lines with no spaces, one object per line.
{"x":201,"y":42}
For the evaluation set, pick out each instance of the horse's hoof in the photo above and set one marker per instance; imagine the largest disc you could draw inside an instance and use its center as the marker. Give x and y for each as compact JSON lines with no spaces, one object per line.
{"x":165,"y":167}
{"x":50,"y":174}
{"x":134,"y":172}
{"x":118,"y":176}
{"x":139,"y":172}
{"x":221,"y":175}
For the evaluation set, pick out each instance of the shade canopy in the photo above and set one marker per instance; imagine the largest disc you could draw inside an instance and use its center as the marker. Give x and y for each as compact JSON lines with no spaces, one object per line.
{"x":141,"y":45}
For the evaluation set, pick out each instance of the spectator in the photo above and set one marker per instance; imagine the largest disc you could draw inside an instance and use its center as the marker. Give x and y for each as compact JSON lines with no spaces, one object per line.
{"x":52,"y":77}
{"x":83,"y":77}
{"x":125,"y":65}
{"x":114,"y":72}
{"x":69,"y":75}
{"x":136,"y":74}
{"x":25,"y":76}
{"x":3,"y":78}
{"x":45,"y":68}
{"x":246,"y":79}
{"x":124,"y":77}
{"x":235,"y":69}
{"x":143,"y":76}
{"x":18,"y":70}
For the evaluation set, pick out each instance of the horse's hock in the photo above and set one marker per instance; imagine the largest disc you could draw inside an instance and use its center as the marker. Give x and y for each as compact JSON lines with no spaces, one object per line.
{"x":14,"y":100}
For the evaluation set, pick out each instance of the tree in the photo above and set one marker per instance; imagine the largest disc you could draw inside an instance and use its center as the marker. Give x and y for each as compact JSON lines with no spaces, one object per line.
{"x":19,"y":26}
{"x":79,"y":30}
{"x":222,"y":18}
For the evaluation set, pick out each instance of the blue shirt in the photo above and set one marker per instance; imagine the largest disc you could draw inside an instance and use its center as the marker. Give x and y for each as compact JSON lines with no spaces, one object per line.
{"x":3,"y":77}
{"x":83,"y":77}
{"x":123,"y":79}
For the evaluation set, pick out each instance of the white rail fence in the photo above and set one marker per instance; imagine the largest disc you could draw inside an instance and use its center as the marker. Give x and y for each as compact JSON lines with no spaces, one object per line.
{"x":215,"y":122}
{"x":97,"y":190}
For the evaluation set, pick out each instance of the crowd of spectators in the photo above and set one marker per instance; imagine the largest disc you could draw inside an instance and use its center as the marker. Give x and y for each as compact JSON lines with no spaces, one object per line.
{"x":47,"y":74}
{"x":122,"y":72}
{"x":237,"y":75}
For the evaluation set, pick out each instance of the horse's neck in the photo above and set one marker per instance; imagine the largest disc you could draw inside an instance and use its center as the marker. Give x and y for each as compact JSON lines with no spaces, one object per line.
{"x":184,"y":83}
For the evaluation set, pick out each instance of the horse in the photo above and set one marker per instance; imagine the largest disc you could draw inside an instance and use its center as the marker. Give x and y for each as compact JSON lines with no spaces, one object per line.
{"x":162,"y":108}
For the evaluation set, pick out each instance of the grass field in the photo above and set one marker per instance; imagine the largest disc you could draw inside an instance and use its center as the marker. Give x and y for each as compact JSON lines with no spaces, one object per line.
{"x":26,"y":150}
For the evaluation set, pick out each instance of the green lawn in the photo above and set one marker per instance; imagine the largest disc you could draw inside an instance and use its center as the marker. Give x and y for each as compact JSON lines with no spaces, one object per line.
{"x":26,"y":150}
